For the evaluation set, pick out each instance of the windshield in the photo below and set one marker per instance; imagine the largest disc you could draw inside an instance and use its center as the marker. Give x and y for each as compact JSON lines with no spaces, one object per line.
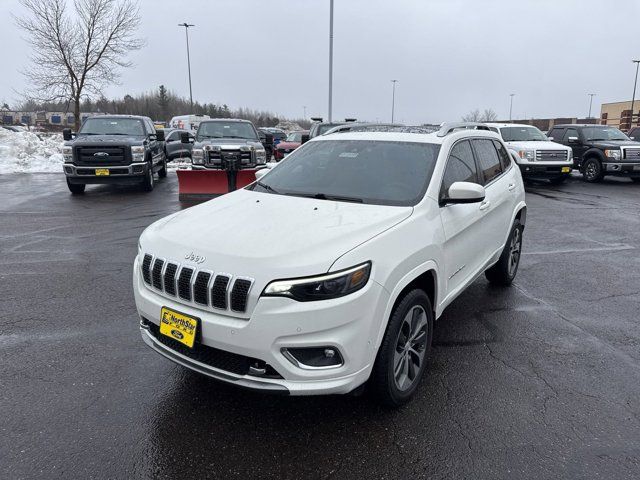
{"x":522,"y":134}
{"x":603,"y":133}
{"x":325,"y":127}
{"x":362,"y":171}
{"x":294,"y":137}
{"x":112,"y":126}
{"x":242,"y":130}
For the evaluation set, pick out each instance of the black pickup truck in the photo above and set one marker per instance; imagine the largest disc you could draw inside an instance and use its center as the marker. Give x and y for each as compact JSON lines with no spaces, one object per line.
{"x":123,"y":149}
{"x":599,"y":150}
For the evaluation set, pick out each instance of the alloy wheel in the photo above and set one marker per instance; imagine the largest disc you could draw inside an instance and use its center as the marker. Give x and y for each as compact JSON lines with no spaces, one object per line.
{"x":410,"y":348}
{"x":515,"y":248}
{"x":591,"y":170}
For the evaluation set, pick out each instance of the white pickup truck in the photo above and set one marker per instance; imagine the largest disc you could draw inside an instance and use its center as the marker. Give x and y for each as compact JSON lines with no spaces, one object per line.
{"x":536,"y":155}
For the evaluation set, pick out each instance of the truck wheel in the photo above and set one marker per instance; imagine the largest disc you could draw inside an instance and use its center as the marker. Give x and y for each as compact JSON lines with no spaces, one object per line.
{"x":148,"y":182}
{"x":162,"y":173}
{"x":76,"y":188}
{"x":503,"y":272}
{"x":402,"y":356}
{"x":592,"y":170}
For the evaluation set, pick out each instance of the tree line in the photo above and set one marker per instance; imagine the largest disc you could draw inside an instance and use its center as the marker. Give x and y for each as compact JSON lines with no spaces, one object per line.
{"x":160,"y":105}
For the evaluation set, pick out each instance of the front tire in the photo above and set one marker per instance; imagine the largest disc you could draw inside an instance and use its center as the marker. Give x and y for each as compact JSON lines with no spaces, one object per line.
{"x":402,"y":356}
{"x":148,"y":182}
{"x":76,"y":188}
{"x":503,"y":272}
{"x":592,"y":170}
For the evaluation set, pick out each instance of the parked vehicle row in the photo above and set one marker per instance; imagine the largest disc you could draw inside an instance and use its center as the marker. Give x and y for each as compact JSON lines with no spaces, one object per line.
{"x":371,"y":235}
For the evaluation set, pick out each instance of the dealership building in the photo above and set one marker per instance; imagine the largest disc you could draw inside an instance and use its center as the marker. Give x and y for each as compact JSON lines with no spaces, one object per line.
{"x":618,"y":114}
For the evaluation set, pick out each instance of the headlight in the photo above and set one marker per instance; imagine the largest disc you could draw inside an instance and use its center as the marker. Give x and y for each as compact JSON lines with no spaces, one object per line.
{"x":323,"y":287}
{"x":67,"y":154}
{"x":616,"y":154}
{"x":261,"y":156}
{"x":137,"y":153}
{"x":197,"y":156}
{"x":570,"y":157}
{"x":527,"y":155}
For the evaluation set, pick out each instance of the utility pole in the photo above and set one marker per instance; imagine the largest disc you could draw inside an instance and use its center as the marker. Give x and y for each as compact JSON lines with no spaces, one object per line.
{"x":393,"y":100}
{"x":511,"y":105}
{"x":186,"y":32}
{"x":591,"y":95}
{"x":330,"y":58}
{"x":635,"y":83}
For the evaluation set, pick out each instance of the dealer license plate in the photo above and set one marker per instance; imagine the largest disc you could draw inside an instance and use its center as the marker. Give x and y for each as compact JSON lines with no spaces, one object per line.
{"x":178,"y":326}
{"x":566,"y":169}
{"x":102,"y":172}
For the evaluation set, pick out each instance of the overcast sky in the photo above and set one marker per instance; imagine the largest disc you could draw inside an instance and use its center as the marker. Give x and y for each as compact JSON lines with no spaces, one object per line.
{"x":449,"y":56}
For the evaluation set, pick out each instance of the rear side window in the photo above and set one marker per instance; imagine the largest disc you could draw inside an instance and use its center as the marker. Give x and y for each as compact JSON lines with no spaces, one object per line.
{"x":461,"y":167}
{"x":488,"y":159}
{"x":505,"y":158}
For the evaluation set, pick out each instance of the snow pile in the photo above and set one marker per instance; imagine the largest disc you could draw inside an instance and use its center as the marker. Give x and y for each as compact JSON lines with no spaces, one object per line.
{"x":289,"y":126}
{"x":24,"y":152}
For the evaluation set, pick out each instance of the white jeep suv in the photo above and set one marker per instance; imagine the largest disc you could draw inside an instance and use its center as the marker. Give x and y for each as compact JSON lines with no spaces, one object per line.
{"x":371,"y":235}
{"x":536,"y":155}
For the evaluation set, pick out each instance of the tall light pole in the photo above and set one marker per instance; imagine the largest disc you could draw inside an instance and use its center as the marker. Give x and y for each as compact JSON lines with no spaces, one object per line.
{"x":330,"y":58}
{"x":304,"y":112}
{"x":393,"y":100}
{"x":186,"y":32}
{"x":635,"y":83}
{"x":511,"y":105}
{"x":591,"y":95}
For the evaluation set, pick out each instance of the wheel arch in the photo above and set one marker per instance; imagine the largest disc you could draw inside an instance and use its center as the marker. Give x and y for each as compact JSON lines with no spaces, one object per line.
{"x":592,"y":153}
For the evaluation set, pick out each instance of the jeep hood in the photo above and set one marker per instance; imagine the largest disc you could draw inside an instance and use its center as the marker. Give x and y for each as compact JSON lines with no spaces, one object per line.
{"x":266,"y":236}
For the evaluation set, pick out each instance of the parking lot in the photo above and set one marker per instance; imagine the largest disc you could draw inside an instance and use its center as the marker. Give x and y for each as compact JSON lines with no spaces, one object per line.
{"x":540,"y":381}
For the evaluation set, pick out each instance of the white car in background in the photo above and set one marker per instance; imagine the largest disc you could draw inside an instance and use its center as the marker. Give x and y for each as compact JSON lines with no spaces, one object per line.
{"x":536,"y":155}
{"x":371,"y":236}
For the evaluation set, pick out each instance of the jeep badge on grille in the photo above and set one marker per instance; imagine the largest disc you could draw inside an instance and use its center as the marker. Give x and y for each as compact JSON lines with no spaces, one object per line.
{"x":192,"y":257}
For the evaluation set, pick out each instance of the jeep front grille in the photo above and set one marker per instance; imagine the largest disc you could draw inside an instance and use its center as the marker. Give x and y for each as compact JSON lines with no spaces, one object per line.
{"x":632,"y":153}
{"x":551,"y":155}
{"x":202,"y":288}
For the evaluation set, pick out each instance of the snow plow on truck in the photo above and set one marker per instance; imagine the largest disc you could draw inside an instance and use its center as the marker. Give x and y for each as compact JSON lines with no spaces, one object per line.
{"x":226,"y":155}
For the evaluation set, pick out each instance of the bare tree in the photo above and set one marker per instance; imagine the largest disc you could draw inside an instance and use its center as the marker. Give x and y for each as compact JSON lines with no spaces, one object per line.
{"x":475,"y":116}
{"x":74,"y":58}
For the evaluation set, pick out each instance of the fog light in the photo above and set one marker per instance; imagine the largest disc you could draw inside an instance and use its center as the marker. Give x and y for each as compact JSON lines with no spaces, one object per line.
{"x":314,"y":357}
{"x":138,"y":169}
{"x":68,"y":170}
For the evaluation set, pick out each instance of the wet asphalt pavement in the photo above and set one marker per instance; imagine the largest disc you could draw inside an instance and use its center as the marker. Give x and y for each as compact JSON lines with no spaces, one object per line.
{"x":541,"y":380}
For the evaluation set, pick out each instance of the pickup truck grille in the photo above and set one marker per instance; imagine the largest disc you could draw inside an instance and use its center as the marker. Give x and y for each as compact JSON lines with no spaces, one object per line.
{"x":632,"y":153}
{"x":97,"y":156}
{"x":551,"y":155}
{"x":200,"y":288}
{"x":215,"y":157}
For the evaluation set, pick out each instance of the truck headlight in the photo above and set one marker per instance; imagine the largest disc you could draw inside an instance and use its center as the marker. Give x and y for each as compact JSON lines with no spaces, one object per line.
{"x":261,"y":157}
{"x":529,"y":155}
{"x":67,"y":154}
{"x":322,"y":287}
{"x":137,"y":153}
{"x":615,"y":154}
{"x":197,"y":156}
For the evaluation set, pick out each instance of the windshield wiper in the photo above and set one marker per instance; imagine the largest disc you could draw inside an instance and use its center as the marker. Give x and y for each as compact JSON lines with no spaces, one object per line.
{"x":268,"y":188}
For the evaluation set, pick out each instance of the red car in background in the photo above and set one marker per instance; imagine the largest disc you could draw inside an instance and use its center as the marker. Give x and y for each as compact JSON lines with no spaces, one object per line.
{"x":284,"y":148}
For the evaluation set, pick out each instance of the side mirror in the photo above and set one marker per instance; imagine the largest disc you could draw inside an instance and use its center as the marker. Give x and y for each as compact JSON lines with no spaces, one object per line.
{"x":268,"y":139}
{"x":304,"y":138}
{"x":66,"y":134}
{"x":160,"y":135}
{"x":464,"y":192}
{"x":184,"y":137}
{"x":261,"y":173}
{"x":572,"y":139}
{"x":550,"y":138}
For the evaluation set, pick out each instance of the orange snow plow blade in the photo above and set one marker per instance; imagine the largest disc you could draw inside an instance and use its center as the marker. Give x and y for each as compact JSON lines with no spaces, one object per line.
{"x":211,"y":183}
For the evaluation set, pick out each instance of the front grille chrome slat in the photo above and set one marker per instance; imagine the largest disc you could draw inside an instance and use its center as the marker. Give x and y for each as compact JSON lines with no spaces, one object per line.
{"x":199,"y":288}
{"x":632,"y":153}
{"x":551,"y":155}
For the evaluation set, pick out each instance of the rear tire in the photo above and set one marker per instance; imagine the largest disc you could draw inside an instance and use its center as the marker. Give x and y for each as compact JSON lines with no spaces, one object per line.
{"x":76,"y":188}
{"x":503,"y":272}
{"x":148,"y":182}
{"x":592,"y":170}
{"x":162,"y":173}
{"x":402,"y":356}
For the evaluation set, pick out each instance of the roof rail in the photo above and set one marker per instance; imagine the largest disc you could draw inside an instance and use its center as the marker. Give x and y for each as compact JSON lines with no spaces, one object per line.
{"x":316,"y":119}
{"x":354,"y":126}
{"x":448,"y":128}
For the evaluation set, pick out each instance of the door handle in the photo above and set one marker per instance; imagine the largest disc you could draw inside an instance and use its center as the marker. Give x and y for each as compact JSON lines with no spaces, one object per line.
{"x":512,"y":187}
{"x":484,"y":205}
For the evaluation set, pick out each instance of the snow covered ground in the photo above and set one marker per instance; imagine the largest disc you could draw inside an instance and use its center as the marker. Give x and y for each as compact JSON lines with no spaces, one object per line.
{"x":24,"y":152}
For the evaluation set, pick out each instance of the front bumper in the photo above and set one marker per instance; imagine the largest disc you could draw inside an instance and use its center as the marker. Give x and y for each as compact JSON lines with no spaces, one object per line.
{"x":621,"y":168}
{"x":132,"y":173}
{"x":545,"y":170}
{"x":349,"y":324}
